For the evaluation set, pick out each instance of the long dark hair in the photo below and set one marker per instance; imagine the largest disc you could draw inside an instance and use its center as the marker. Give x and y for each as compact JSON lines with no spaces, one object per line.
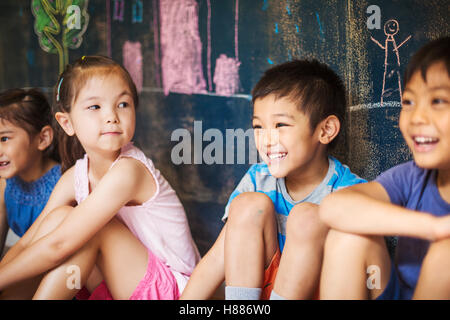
{"x":66,"y":90}
{"x":29,"y":109}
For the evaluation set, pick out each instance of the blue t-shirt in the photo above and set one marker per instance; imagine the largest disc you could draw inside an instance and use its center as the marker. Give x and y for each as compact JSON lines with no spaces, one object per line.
{"x":413,"y":188}
{"x":25,"y":200}
{"x":259,"y":179}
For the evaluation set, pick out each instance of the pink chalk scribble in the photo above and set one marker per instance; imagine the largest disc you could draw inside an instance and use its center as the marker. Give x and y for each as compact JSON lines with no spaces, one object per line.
{"x":132,"y":61}
{"x":181,"y":47}
{"x":226,"y":75}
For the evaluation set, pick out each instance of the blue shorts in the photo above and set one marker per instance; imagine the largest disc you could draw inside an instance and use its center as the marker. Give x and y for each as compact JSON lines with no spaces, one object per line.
{"x":392,"y":290}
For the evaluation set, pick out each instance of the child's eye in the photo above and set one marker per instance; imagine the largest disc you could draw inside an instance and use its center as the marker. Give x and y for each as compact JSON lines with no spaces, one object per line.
{"x":94,"y":107}
{"x":256,"y":126}
{"x":278,"y":125}
{"x":4,"y":139}
{"x":407,"y":103}
{"x":439,"y":101}
{"x":123,"y":105}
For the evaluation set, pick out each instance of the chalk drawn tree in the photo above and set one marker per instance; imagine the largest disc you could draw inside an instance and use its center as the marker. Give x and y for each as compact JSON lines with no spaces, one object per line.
{"x":60,"y":25}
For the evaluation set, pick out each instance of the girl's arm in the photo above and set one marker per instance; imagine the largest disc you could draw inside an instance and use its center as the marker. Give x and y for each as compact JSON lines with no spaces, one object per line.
{"x":366,"y":209}
{"x":3,"y":221}
{"x":63,"y":194}
{"x":124,"y":182}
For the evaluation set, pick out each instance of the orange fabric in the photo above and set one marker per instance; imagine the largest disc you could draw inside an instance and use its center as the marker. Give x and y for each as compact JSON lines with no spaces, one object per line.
{"x":270,"y":274}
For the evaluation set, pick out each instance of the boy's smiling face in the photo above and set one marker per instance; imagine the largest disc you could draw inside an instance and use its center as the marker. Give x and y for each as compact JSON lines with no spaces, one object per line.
{"x":425,"y":117}
{"x":283,"y":136}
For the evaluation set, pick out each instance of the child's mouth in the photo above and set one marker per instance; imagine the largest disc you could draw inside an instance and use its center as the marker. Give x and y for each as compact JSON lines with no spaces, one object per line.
{"x":276,"y":157}
{"x":424,"y":144}
{"x":3,"y":164}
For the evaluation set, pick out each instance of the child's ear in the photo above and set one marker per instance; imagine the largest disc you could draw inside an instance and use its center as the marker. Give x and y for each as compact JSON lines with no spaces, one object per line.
{"x":329,"y":129}
{"x":65,"y":123}
{"x":45,"y":137}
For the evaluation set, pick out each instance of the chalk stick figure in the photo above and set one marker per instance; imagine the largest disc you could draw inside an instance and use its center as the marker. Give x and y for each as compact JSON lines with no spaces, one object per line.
{"x":391,"y":77}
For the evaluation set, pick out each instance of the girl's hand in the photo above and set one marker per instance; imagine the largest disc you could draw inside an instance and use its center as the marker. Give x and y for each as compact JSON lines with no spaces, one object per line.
{"x":442,"y":228}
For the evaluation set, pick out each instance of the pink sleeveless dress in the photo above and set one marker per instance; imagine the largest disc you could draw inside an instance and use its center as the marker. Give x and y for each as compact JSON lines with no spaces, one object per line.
{"x":161,"y":225}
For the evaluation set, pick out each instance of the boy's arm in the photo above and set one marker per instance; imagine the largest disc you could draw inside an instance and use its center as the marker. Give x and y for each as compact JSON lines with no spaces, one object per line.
{"x":209,"y":273}
{"x":366,"y":209}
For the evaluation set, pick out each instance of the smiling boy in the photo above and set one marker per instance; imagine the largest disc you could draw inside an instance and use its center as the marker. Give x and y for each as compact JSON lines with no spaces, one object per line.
{"x":411,"y":200}
{"x":273,"y":237}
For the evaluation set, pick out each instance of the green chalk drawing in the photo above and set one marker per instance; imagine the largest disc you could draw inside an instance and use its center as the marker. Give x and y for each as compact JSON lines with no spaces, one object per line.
{"x":60,"y":25}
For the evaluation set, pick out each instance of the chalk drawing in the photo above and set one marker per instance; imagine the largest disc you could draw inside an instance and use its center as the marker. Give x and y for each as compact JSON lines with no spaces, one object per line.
{"x":119,"y":8}
{"x":391,"y":76}
{"x":156,"y":40}
{"x":137,"y":11}
{"x":132,"y":61}
{"x":56,"y":37}
{"x":108,"y":28}
{"x":226,"y":73}
{"x":181,"y":48}
{"x":208,"y":49}
{"x":376,"y":105}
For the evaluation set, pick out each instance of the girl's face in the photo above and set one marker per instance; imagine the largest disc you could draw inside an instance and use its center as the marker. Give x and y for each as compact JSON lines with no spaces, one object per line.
{"x":425,"y":117}
{"x":103,"y":114}
{"x":18,"y":152}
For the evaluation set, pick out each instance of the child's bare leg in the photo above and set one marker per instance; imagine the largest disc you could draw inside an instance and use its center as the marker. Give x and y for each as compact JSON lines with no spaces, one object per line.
{"x":250,"y":239}
{"x":120,"y":256}
{"x":209,"y":273}
{"x":300,"y":265}
{"x":434,"y":280}
{"x":25,"y":290}
{"x":345,"y":264}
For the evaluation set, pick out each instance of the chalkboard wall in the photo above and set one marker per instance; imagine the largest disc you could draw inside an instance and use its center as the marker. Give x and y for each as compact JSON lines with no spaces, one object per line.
{"x":196,"y":61}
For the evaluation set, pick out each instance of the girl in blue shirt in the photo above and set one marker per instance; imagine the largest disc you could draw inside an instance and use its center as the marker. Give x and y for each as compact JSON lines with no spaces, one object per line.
{"x":29,"y":166}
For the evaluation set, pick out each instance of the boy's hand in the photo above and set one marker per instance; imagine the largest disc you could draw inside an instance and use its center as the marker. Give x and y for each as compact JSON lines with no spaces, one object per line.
{"x":442,"y":228}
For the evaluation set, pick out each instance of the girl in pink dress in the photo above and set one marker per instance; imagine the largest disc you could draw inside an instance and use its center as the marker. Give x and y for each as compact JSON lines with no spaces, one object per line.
{"x":112,"y":210}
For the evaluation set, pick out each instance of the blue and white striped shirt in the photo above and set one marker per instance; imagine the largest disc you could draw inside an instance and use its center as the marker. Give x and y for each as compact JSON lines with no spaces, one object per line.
{"x":259,"y":179}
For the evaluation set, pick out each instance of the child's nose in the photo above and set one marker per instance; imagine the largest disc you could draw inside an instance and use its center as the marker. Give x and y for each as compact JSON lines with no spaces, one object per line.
{"x":271,"y":137}
{"x":419,"y":115}
{"x":111,"y":117}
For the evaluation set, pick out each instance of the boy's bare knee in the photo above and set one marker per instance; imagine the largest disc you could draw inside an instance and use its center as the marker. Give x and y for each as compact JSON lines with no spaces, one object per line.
{"x":251,"y":208}
{"x":304,"y":222}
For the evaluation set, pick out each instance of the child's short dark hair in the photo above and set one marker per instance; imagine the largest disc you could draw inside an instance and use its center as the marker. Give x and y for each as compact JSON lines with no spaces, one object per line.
{"x":434,"y":51}
{"x":30,"y":110}
{"x":316,"y":89}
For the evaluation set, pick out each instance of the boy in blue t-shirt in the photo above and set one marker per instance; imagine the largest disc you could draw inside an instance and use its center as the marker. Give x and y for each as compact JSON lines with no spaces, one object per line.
{"x":273,"y":237}
{"x":411,"y":200}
